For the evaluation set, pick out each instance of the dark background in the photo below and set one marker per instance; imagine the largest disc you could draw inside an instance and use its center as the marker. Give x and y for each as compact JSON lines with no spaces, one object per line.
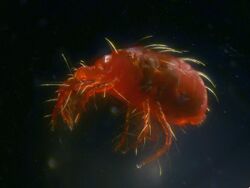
{"x":35,"y":33}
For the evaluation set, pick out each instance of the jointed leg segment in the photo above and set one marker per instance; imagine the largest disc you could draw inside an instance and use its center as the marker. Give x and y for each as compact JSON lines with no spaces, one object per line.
{"x":168,"y":135}
{"x":73,"y":99}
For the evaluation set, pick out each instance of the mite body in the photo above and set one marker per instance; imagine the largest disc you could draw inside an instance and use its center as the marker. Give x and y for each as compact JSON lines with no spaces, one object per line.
{"x":159,"y":89}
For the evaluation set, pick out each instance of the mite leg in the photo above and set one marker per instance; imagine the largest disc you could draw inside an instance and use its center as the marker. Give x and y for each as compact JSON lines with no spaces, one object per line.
{"x":141,"y":134}
{"x":67,"y":104}
{"x":168,"y":133}
{"x":72,"y":100}
{"x":146,"y":130}
{"x":96,"y":88}
{"x":124,"y":135}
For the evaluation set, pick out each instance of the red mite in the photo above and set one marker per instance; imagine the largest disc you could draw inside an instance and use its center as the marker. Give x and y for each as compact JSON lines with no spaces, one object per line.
{"x":159,"y":89}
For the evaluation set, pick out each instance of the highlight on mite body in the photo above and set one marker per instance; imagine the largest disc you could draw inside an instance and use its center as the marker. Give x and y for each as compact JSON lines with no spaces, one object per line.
{"x":160,"y":90}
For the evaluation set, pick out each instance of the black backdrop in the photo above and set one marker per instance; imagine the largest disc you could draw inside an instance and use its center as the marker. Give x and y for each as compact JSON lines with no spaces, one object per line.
{"x":35,"y":33}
